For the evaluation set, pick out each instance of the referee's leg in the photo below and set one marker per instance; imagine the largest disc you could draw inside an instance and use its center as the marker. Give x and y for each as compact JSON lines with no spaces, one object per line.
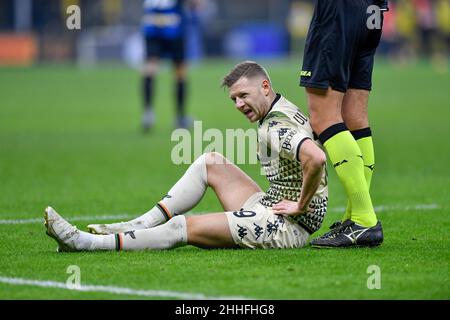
{"x":325,"y":108}
{"x":356,"y":118}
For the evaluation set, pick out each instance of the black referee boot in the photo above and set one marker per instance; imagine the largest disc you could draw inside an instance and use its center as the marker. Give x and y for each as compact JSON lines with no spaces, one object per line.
{"x":349,"y":234}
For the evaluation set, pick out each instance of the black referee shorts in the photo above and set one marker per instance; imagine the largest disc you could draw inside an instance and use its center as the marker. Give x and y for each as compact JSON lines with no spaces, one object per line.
{"x":161,"y":47}
{"x":340,"y":47}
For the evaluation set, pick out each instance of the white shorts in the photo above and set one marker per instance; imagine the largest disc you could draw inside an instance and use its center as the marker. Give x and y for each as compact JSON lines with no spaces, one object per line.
{"x":255,"y":226}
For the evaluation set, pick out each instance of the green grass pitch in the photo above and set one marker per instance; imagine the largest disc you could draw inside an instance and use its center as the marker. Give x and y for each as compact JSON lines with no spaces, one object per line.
{"x":70,"y":138}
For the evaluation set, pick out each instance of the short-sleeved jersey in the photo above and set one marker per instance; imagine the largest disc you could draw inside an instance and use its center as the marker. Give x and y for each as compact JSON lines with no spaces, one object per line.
{"x":163,"y":18}
{"x":280,"y":134}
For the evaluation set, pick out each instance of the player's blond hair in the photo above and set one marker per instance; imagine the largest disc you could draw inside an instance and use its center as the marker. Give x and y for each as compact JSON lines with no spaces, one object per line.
{"x":247,"y":69}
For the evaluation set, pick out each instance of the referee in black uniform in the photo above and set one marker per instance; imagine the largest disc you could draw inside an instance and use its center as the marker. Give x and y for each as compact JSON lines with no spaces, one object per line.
{"x":337,"y":74}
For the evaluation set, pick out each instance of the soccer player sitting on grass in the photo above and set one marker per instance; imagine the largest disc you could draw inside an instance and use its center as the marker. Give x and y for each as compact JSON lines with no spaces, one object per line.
{"x":283,"y":217}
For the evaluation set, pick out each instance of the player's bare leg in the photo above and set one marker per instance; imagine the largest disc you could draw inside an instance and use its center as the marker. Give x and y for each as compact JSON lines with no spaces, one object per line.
{"x":354,"y":109}
{"x":182,"y":120}
{"x":209,"y":231}
{"x":324,"y":108}
{"x":149,"y":72}
{"x":231,"y":185}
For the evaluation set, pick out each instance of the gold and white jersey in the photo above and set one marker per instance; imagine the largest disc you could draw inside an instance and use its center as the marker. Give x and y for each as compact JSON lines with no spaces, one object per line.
{"x":280,"y":135}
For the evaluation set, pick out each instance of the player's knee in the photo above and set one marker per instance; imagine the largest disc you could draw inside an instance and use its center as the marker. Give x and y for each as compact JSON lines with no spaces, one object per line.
{"x":173,"y":233}
{"x":214,"y":166}
{"x":177,"y":223}
{"x":180,"y":72}
{"x":214,"y":158}
{"x":150,"y":68}
{"x":193,"y":230}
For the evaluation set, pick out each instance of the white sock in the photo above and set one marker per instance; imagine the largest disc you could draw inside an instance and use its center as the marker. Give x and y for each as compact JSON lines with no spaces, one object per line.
{"x":169,"y":235}
{"x":88,"y":241}
{"x":152,"y":218}
{"x":183,"y":196}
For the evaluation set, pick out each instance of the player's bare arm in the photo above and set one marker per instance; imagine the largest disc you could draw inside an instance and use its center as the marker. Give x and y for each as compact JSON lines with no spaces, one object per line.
{"x":313,"y":161}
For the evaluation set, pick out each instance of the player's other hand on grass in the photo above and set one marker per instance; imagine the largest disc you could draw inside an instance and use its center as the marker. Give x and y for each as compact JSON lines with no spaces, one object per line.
{"x":288,"y":208}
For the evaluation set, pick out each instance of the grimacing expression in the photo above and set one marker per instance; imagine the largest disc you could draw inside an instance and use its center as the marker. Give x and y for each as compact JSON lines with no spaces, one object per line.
{"x":249,"y":97}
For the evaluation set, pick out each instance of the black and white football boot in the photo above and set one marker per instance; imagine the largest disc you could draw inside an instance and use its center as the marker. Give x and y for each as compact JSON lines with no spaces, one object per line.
{"x":349,"y":234}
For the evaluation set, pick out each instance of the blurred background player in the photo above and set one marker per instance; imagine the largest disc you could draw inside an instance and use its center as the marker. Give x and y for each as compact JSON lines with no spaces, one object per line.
{"x":164,"y":28}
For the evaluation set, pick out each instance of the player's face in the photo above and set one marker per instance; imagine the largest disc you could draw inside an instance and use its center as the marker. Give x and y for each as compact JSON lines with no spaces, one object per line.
{"x":250,"y":97}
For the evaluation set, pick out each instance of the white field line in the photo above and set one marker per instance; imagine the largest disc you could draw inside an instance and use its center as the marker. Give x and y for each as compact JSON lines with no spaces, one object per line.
{"x":80,"y":218}
{"x":113,"y":218}
{"x":116,"y":290}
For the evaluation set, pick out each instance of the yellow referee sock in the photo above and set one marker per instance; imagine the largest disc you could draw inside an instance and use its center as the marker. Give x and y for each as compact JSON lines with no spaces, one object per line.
{"x":364,"y":139}
{"x":346,"y":158}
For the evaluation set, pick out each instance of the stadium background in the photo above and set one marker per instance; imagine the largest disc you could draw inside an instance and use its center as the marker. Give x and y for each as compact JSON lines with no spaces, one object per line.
{"x":69,"y":137}
{"x":35,"y":30}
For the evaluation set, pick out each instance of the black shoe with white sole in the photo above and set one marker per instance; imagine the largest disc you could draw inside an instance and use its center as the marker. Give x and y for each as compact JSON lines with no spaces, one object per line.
{"x":349,"y":234}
